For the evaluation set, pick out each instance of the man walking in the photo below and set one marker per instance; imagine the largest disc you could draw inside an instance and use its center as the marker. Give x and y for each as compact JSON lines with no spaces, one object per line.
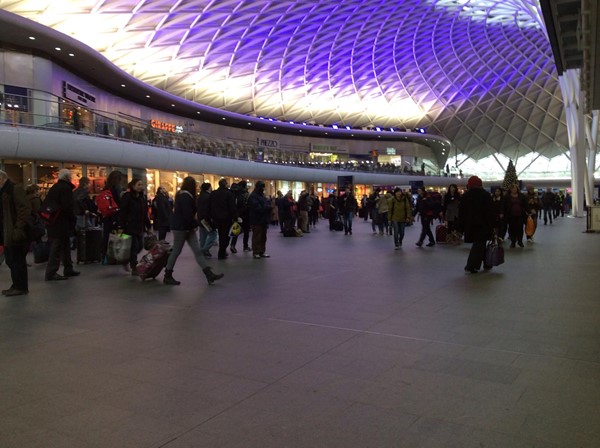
{"x":222,"y":212}
{"x":60,"y":197}
{"x":476,"y":221}
{"x":14,"y":213}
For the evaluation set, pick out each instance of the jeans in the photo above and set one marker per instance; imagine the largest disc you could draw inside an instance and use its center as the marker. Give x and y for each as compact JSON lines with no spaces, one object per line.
{"x":203,"y":237}
{"x":398,"y":232}
{"x":259,"y":239}
{"x":383,"y":222}
{"x":548,"y":212}
{"x":347,"y":217}
{"x":180,"y":237}
{"x":15,"y":260}
{"x":426,"y":229}
{"x":60,"y":251}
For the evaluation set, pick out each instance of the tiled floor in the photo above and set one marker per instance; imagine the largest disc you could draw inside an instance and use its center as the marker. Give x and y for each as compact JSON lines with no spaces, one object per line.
{"x":335,"y":341}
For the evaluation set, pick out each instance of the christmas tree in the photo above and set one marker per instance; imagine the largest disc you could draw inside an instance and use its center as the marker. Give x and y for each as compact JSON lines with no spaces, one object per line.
{"x":510,"y":177}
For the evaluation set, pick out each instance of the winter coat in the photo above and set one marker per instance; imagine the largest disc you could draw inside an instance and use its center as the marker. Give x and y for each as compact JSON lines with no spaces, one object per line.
{"x":476,"y":215}
{"x":163,"y":211}
{"x":81,"y":201}
{"x":451,"y":205}
{"x":425,"y":207}
{"x":521,"y":207}
{"x":259,"y":209}
{"x":221,"y":206}
{"x":348,"y":204}
{"x":241,"y":203}
{"x":202,"y":205}
{"x":533,"y":203}
{"x":133,"y":215}
{"x":184,"y":214}
{"x":400,"y":209}
{"x":61,"y":195}
{"x":288,"y":208}
{"x":383,"y":205}
{"x":15,"y":214}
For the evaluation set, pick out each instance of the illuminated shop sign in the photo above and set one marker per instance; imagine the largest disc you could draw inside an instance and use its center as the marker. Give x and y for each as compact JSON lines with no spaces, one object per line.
{"x":169,"y":127}
{"x":390,"y":151}
{"x":267,"y":143}
{"x":314,"y":147}
{"x":78,"y":95}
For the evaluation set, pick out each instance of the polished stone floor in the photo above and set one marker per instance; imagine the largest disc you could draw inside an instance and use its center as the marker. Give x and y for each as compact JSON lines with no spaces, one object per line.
{"x":335,"y":341}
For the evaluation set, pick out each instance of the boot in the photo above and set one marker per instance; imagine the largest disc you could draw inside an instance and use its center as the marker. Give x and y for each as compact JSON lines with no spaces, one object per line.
{"x":169,"y":280}
{"x":211,"y":276}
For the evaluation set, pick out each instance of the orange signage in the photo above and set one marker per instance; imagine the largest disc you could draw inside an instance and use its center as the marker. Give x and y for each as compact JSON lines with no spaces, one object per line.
{"x":161,"y":125}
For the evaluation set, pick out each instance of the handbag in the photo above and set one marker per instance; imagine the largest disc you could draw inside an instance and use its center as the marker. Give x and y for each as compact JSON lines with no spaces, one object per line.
{"x":494,"y":253}
{"x":119,"y":247}
{"x":41,"y":252}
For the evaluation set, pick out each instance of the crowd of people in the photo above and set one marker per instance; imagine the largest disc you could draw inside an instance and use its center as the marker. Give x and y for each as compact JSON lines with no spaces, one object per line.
{"x":203,"y":218}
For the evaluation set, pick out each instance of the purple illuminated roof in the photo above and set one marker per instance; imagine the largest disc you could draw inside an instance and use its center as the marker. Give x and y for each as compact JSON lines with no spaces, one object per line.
{"x":479,"y":72}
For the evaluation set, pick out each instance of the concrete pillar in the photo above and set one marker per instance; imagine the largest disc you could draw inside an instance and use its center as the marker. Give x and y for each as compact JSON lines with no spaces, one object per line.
{"x":592,"y":139}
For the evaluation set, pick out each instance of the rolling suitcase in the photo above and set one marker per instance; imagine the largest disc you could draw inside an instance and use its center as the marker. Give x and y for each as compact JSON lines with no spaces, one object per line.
{"x":441,"y":234}
{"x":154,"y":261}
{"x":89,"y":245}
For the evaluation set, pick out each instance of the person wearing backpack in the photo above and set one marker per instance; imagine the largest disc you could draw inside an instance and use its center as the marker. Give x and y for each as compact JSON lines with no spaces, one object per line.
{"x":14,"y":213}
{"x":108,"y":201}
{"x":60,"y":196}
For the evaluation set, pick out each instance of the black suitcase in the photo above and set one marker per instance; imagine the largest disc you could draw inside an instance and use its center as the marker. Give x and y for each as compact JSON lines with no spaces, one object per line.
{"x":89,"y":245}
{"x":338,"y":226}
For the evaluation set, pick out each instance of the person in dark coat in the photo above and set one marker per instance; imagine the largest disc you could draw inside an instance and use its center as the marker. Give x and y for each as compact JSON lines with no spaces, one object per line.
{"x":288,"y":210}
{"x":476,"y":218}
{"x":202,"y":213}
{"x":84,"y":207}
{"x":222,"y":213}
{"x":426,"y":210}
{"x":162,"y":209}
{"x":241,"y":203}
{"x":14,"y":213}
{"x":515,"y":214}
{"x":347,"y":209}
{"x":259,"y":215}
{"x":133,"y":219}
{"x":60,"y":231}
{"x":184,"y":226}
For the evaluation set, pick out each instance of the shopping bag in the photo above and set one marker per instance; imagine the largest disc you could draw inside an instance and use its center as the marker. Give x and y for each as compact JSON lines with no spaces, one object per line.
{"x":119,"y":247}
{"x":494,"y":254}
{"x":235,"y":229}
{"x":529,"y":227}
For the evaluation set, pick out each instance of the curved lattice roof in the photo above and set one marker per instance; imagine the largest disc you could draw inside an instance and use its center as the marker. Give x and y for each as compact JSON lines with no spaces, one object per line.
{"x":479,"y":72}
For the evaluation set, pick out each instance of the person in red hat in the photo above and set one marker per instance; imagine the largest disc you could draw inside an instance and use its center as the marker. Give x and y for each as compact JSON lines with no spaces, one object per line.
{"x":476,"y":220}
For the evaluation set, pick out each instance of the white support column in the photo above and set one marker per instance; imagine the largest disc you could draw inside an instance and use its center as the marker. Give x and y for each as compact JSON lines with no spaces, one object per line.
{"x":571,"y":92}
{"x":592,"y":139}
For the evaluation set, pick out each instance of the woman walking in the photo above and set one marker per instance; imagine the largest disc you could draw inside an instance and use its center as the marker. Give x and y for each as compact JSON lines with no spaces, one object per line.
{"x":183,"y":227}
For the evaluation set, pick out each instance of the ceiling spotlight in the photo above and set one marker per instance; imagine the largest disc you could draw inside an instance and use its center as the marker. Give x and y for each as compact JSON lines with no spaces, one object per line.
{"x":291,"y":122}
{"x":378,"y":129}
{"x":147,"y":96}
{"x":303,"y":123}
{"x":71,"y":54}
{"x":348,"y":127}
{"x":31,"y":38}
{"x":392,"y":129}
{"x":224,"y":118}
{"x":334,"y":126}
{"x":122,"y":85}
{"x":172,"y":105}
{"x":198,"y":112}
{"x":57,"y":48}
